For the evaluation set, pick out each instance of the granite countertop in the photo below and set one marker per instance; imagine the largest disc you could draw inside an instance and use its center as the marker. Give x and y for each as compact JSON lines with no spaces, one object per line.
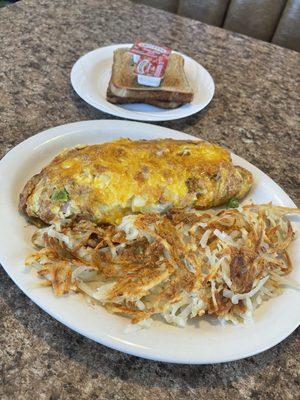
{"x":255,"y":112}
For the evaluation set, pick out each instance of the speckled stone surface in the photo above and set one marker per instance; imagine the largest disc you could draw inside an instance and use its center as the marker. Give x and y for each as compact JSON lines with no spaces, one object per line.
{"x":255,"y":112}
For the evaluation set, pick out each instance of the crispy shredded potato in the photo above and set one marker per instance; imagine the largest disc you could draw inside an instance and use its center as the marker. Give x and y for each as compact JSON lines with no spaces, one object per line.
{"x":180,"y":265}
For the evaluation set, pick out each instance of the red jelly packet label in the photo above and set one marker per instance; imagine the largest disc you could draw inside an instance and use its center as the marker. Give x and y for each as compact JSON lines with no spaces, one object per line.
{"x":150,"y":50}
{"x":151,"y":67}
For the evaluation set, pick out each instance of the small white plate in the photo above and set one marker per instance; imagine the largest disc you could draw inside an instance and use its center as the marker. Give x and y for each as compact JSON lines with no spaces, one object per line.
{"x":90,"y":76}
{"x":202,"y":341}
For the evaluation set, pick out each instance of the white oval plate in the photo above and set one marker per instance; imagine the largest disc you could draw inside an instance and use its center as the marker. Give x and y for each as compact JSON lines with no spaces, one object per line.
{"x":202,"y":341}
{"x":90,"y":76}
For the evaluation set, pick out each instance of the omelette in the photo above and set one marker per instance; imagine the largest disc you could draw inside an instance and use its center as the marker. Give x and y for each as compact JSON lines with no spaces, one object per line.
{"x":104,"y":182}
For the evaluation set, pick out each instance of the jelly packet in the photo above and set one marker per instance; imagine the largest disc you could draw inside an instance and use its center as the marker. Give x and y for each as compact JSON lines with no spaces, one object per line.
{"x":150,"y":62}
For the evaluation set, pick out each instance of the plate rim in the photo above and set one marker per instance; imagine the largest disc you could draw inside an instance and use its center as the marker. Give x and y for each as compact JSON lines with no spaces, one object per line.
{"x":47,"y":134}
{"x":140,"y":115}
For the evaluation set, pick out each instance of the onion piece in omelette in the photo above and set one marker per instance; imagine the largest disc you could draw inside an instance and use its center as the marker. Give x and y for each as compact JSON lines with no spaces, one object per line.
{"x":104,"y":182}
{"x":177,"y":266}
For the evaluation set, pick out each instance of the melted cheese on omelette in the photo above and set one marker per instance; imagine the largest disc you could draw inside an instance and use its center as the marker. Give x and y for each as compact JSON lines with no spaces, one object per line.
{"x":104,"y":182}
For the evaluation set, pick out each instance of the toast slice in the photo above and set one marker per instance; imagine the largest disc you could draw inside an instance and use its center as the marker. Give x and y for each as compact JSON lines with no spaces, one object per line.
{"x":123,"y":88}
